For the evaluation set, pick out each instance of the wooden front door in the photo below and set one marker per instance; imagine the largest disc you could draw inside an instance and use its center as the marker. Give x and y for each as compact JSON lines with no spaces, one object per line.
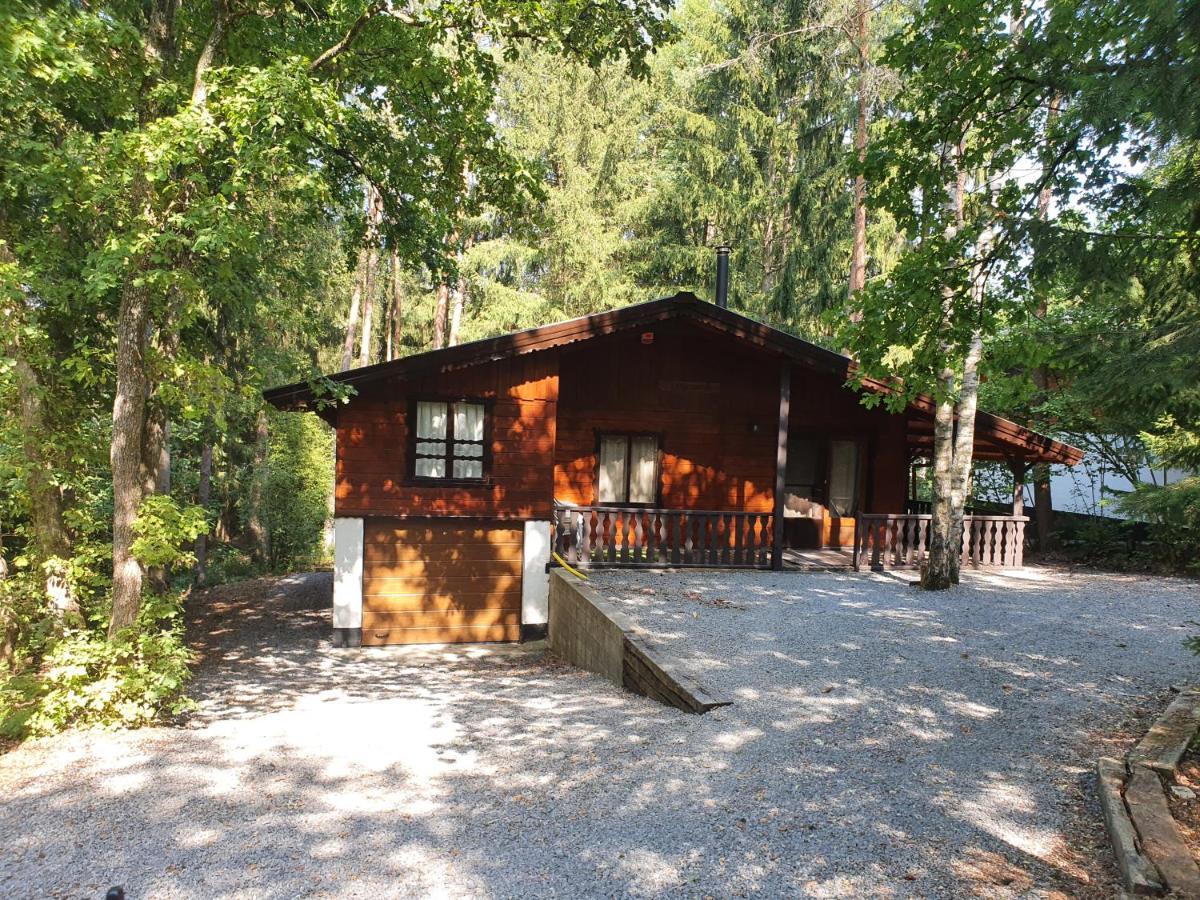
{"x":822,"y":487}
{"x":441,"y":581}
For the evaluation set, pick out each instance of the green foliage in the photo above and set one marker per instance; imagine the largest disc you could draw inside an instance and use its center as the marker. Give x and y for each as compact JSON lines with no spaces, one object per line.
{"x":162,"y":528}
{"x":86,"y":680}
{"x":1173,"y":511}
{"x":298,"y":479}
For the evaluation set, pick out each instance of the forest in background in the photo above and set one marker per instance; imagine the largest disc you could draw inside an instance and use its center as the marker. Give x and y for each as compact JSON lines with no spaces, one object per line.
{"x":992,"y":200}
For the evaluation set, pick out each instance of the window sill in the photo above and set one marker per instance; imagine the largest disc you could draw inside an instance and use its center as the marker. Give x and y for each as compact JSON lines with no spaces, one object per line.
{"x":413,"y":481}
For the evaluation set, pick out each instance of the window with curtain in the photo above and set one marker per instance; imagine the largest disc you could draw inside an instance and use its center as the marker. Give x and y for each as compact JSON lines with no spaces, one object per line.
{"x":627,"y":470}
{"x":449,"y":440}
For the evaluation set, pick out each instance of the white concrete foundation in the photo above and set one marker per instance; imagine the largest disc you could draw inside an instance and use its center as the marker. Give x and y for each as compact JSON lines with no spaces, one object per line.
{"x":347,"y":582}
{"x":535,"y":580}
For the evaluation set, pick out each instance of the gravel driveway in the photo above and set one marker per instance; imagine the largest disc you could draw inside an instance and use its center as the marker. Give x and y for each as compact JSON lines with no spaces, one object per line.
{"x":882,"y":742}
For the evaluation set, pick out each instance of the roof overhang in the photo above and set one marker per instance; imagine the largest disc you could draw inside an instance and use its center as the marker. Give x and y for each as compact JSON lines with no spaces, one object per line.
{"x":996,"y":438}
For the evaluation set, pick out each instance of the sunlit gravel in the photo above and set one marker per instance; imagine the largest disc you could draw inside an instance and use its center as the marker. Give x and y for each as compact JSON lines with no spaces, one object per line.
{"x":882,"y":742}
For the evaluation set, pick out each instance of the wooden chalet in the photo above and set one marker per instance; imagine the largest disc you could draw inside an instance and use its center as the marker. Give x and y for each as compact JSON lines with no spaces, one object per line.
{"x":671,"y":433}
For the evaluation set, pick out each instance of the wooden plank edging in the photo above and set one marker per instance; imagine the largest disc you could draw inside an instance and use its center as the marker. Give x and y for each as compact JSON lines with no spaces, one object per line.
{"x":1160,"y":839}
{"x":1137,"y":872}
{"x":1148,"y":846}
{"x":644,"y":668}
{"x":1167,"y":740}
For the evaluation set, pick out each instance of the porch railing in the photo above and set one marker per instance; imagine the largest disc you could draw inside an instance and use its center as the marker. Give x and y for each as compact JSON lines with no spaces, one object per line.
{"x":613,"y":536}
{"x":902,"y":541}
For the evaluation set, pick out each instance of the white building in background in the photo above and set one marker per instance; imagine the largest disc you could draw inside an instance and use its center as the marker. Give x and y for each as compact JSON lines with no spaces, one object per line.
{"x":1092,"y":487}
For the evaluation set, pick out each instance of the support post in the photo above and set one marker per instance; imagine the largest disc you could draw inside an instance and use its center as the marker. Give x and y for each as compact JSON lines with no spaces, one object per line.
{"x":781,"y":449}
{"x":1018,"y":495}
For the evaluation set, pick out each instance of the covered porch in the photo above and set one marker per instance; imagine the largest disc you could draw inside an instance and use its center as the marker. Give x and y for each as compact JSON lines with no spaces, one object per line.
{"x":844,"y":493}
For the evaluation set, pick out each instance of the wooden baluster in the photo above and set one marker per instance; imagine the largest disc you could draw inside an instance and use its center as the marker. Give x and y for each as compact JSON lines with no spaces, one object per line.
{"x":638,"y":537}
{"x":739,"y":522}
{"x":1019,"y":557}
{"x":610,"y":536}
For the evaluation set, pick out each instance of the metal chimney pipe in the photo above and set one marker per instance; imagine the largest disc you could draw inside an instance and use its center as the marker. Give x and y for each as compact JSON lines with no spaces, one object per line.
{"x":723,"y":277}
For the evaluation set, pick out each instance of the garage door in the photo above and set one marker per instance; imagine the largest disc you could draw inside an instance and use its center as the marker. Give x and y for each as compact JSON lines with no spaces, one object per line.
{"x":434,"y":582}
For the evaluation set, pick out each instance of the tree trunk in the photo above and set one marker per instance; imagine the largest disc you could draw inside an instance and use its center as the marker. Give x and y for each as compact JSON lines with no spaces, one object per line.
{"x":374,"y":220}
{"x":945,"y":528}
{"x":941,"y":565}
{"x":964,"y":446}
{"x":125,"y":452}
{"x":9,"y":630}
{"x":254,"y":523}
{"x":203,"y":494}
{"x":51,"y":542}
{"x":352,"y":319}
{"x":397,"y":306}
{"x":156,"y":474}
{"x":460,"y":295}
{"x":1043,"y":500}
{"x":858,"y":253}
{"x":439,"y":315}
{"x":368,"y":306}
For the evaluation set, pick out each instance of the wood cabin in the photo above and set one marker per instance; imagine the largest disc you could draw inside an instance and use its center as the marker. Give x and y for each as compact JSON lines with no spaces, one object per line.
{"x":669,"y":433}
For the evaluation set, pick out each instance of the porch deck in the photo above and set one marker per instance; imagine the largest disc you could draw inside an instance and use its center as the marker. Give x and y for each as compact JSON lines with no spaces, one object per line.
{"x":826,"y":559}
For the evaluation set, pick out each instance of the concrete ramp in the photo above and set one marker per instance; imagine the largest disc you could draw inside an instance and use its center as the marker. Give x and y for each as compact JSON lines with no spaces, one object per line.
{"x":591,"y":633}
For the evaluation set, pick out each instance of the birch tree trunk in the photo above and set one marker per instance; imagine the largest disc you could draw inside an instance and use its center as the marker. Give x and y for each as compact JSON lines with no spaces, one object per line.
{"x":941,"y":566}
{"x":945,"y":527}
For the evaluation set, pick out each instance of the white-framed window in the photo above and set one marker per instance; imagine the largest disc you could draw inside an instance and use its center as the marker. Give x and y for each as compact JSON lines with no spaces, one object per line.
{"x":627,"y":469}
{"x":449,"y":440}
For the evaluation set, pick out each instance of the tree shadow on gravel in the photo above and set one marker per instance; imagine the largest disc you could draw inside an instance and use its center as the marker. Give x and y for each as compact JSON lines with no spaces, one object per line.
{"x":873,"y":749}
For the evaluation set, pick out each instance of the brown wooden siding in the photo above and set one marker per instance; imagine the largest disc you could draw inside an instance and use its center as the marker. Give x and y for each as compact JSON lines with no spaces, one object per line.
{"x":714,"y":405}
{"x":372,"y":468}
{"x":441,"y":581}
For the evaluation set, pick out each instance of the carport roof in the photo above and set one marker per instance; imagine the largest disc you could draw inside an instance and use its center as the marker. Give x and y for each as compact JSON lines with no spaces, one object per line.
{"x":996,"y":437}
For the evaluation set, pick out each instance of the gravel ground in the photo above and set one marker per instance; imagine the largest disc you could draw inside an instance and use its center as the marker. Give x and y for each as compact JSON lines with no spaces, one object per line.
{"x":882,"y":742}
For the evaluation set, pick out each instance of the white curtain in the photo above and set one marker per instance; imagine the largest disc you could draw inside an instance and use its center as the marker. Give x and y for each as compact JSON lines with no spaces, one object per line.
{"x":611,"y":488}
{"x":431,"y":439}
{"x":643,"y":456}
{"x":843,"y":477}
{"x":468,"y":426}
{"x":468,"y":422}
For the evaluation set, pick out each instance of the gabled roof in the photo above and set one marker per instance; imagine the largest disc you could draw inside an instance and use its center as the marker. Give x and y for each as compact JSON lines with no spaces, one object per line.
{"x":999,"y":436}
